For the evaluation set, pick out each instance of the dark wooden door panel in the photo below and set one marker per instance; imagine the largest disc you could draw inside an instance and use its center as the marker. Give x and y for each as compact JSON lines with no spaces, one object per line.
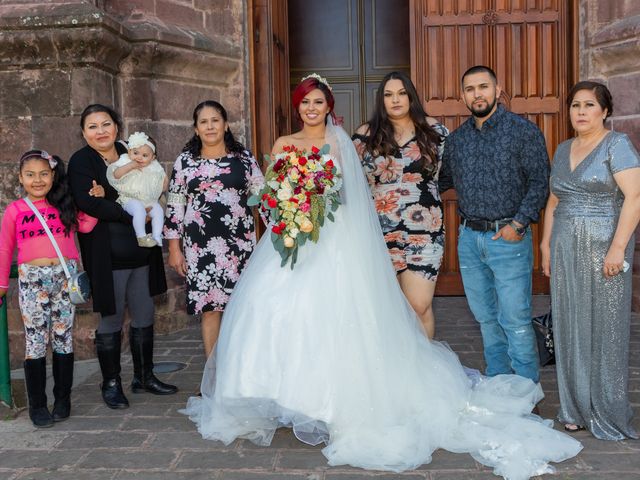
{"x":365,"y":40}
{"x":386,"y":37}
{"x":323,"y":38}
{"x":348,"y":106}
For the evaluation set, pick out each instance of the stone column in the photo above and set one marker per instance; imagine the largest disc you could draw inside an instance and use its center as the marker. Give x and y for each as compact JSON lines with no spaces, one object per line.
{"x":610,"y":52}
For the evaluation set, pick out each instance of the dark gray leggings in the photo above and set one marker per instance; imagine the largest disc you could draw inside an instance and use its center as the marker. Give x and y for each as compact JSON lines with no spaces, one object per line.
{"x":131,"y":288}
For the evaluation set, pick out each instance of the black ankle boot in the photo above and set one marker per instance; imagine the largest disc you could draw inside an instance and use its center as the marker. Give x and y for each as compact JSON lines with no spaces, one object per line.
{"x":35,"y":377}
{"x":108,"y":348}
{"x":141,"y":343}
{"x":63,"y":380}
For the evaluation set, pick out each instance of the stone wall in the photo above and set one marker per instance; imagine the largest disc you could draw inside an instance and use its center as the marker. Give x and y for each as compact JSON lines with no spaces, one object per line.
{"x":153,"y":60}
{"x":610,"y":52}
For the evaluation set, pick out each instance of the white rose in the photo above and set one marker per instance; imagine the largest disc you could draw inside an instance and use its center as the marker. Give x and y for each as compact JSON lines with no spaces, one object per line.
{"x":284,"y":194}
{"x":294,"y":232}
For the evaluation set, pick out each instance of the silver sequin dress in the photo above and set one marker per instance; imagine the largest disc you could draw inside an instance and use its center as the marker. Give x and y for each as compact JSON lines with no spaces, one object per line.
{"x":591,"y":314}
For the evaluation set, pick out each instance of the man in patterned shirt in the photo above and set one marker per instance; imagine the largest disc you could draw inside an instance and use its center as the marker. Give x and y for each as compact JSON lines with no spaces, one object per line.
{"x":497,"y":161}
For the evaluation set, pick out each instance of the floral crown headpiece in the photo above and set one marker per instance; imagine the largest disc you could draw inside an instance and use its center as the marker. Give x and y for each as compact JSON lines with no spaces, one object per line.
{"x":40,"y":154}
{"x":319,"y":78}
{"x":139,"y":139}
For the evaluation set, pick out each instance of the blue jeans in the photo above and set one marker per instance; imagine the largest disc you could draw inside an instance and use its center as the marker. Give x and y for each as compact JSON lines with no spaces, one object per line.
{"x":497,"y":282}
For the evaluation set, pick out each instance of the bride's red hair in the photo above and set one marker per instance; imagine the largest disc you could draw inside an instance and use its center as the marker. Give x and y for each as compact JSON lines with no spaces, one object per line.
{"x":303,"y":89}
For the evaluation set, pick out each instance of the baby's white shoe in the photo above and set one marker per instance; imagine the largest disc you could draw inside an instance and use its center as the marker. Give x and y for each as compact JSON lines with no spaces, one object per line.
{"x":147,"y":241}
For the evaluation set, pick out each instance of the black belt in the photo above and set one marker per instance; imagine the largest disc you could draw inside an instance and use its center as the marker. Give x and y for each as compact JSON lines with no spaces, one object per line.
{"x":485,"y":225}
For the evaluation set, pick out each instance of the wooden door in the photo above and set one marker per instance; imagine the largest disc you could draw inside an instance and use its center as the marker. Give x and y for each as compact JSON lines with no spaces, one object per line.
{"x":352,"y":43}
{"x":269,"y":74}
{"x":269,"y":65}
{"x":529,"y":45}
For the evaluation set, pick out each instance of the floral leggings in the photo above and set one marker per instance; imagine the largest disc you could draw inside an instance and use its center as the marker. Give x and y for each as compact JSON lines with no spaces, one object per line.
{"x":47,"y":312}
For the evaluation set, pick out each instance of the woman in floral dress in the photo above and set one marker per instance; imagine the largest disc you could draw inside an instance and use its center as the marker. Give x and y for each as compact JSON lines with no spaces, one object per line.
{"x":207,"y":210}
{"x":401,"y":150}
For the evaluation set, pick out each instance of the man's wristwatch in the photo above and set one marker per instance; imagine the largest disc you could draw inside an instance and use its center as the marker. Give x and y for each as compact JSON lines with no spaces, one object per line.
{"x":520,"y":230}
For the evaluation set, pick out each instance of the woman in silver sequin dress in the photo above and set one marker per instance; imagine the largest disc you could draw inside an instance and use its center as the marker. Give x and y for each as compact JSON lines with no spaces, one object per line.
{"x":592,"y":212}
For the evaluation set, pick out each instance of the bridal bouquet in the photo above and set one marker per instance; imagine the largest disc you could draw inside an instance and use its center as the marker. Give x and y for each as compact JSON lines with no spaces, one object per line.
{"x":300,"y":191}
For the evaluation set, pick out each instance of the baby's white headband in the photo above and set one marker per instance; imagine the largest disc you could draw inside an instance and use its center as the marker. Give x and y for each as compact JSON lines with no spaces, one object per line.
{"x":138,"y":139}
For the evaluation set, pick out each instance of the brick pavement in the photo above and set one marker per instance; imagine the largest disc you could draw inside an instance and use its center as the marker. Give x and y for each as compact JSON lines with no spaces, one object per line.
{"x":151,"y":440}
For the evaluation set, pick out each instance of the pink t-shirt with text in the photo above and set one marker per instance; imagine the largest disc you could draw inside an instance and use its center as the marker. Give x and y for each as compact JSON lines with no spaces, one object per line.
{"x":21,"y":229}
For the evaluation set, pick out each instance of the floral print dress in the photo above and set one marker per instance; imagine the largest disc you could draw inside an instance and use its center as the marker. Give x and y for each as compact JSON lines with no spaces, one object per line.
{"x":408,"y":205}
{"x":207,"y":209}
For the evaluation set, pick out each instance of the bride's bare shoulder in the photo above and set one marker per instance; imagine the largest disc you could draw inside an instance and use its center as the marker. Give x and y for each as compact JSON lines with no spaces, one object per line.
{"x":280,"y":143}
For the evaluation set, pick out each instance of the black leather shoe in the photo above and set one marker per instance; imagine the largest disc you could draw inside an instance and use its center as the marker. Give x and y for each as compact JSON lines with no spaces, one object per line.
{"x":63,"y":381}
{"x":35,"y":377}
{"x":151,"y":384}
{"x":108,"y":348}
{"x":141,"y":343}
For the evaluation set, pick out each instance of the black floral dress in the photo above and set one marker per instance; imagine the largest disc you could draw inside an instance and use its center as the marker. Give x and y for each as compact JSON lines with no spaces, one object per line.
{"x":207,"y":209}
{"x":408,"y":205}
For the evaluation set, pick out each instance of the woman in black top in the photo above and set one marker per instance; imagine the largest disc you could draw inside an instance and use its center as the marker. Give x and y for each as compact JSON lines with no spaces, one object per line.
{"x":121,"y":272}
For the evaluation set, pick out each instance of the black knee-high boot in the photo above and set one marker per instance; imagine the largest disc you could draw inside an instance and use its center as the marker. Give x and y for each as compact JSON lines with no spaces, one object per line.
{"x":108,"y":348}
{"x":141,"y":343}
{"x":63,"y":381}
{"x":35,"y":376}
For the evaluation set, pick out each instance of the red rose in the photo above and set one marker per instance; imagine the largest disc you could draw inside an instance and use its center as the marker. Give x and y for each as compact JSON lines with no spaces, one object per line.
{"x":278,"y":229}
{"x":329,"y":163}
{"x":315,"y":149}
{"x":272,"y":202}
{"x":302,"y":161}
{"x":278,"y":165}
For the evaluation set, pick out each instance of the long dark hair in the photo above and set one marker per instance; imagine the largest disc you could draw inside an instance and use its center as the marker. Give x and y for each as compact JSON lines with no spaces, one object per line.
{"x":194,"y":145}
{"x":59,"y":196}
{"x":381,"y":139}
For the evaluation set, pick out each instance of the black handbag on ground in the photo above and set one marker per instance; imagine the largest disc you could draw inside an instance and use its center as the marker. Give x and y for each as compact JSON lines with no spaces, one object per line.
{"x":543,"y":328}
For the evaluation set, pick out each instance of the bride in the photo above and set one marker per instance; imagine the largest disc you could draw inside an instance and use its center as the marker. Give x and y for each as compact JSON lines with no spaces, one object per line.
{"x":333,"y":350}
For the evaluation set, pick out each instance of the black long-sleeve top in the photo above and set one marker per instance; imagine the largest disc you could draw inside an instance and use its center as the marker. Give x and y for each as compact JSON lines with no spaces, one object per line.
{"x":500,"y":171}
{"x":112,"y":245}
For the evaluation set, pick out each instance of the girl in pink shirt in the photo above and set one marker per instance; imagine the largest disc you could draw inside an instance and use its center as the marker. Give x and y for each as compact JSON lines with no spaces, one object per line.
{"x":46,"y":310}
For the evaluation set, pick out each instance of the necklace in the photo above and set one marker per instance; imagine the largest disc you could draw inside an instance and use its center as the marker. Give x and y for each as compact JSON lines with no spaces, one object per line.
{"x":106,"y":161}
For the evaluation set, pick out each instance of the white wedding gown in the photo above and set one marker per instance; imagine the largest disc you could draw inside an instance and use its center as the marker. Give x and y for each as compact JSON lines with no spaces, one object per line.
{"x":333,"y":349}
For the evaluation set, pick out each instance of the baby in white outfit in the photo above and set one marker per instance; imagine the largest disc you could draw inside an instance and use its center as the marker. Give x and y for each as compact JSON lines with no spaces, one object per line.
{"x":140,"y":180}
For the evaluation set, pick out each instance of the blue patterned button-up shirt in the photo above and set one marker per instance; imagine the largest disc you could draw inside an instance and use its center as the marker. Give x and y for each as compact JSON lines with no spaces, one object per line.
{"x":500,"y":171}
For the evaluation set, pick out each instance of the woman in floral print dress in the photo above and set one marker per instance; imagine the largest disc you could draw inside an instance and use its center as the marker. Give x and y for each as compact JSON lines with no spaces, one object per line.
{"x":207,"y":209}
{"x":401,"y":149}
